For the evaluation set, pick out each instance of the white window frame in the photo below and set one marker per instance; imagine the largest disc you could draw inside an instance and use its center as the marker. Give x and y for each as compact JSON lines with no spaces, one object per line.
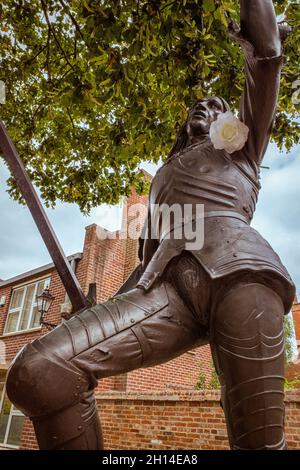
{"x":47,"y":281}
{"x":12,"y":412}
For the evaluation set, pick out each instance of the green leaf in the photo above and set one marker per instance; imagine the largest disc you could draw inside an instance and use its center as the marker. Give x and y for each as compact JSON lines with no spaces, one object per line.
{"x":208,"y":5}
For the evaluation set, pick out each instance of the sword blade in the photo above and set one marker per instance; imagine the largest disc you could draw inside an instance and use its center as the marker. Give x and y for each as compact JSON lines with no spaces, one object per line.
{"x":67,"y":276}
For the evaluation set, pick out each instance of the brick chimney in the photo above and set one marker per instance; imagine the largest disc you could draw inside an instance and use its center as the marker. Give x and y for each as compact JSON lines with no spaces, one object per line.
{"x":109,"y":257}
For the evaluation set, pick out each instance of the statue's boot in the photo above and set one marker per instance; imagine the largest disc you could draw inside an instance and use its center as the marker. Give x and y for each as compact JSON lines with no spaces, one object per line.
{"x":56,"y":397}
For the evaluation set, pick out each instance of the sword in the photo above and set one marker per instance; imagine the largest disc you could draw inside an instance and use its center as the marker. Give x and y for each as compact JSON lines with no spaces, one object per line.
{"x":66,"y":274}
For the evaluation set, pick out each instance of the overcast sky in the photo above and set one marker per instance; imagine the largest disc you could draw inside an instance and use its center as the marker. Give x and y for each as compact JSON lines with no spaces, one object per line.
{"x":277,"y":218}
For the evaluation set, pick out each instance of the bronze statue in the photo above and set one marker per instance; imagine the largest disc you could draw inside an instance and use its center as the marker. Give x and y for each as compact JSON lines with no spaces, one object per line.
{"x":232,"y":293}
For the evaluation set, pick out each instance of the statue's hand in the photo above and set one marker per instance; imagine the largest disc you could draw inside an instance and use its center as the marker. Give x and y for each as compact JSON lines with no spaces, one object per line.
{"x":259,"y":25}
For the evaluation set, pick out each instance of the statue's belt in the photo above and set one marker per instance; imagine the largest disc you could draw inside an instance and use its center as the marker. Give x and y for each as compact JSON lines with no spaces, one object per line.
{"x":232,"y":214}
{"x":166,"y":251}
{"x":205,"y":215}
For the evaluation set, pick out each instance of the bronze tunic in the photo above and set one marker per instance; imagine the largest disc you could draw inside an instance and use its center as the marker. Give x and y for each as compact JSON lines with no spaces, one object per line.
{"x":228,"y":186}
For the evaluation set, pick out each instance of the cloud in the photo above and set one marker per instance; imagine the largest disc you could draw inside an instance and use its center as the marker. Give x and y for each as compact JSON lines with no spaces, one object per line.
{"x":21,"y":245}
{"x":277,"y":216}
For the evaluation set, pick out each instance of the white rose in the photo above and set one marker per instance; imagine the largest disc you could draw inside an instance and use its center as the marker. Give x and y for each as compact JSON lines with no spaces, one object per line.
{"x":228,"y":133}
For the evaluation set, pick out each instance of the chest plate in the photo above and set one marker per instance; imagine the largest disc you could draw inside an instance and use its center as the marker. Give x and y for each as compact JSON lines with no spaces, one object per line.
{"x":204,"y":175}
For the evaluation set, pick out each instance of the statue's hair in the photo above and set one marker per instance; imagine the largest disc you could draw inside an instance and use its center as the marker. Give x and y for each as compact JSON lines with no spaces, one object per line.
{"x":182,"y":136}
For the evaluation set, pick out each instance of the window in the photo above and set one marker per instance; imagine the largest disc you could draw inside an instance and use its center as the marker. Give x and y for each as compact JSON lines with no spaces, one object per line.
{"x":23,"y":313}
{"x":11,"y":421}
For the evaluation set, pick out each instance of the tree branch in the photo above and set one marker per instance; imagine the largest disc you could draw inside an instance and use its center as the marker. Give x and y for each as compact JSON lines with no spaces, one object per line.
{"x":72,"y":18}
{"x":75,"y":45}
{"x":54,"y":34}
{"x":31,"y":59}
{"x":48,"y":53}
{"x":71,"y":119}
{"x":168,"y":5}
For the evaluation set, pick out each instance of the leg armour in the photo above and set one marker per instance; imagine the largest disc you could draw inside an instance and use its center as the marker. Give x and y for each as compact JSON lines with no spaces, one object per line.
{"x":53,"y":378}
{"x":248,"y":351}
{"x":54,"y":394}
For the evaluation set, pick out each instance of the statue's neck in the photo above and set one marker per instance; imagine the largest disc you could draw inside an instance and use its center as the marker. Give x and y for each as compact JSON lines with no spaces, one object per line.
{"x":192,"y":140}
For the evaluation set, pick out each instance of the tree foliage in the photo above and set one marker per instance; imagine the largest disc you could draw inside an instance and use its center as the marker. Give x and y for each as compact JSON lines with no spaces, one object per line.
{"x":203,"y":383}
{"x":288,"y":338}
{"x":95,"y":87}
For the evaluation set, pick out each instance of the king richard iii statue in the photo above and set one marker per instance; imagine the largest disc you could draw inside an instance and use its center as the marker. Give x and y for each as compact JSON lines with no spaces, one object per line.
{"x":232,"y":292}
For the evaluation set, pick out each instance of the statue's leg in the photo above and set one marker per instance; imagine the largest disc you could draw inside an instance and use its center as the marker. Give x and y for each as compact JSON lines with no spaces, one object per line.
{"x":52,"y":379}
{"x":247,"y":341}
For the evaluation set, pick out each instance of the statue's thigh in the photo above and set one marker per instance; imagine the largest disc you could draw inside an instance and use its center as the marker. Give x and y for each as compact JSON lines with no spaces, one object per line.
{"x":248,"y":348}
{"x":131,"y":330}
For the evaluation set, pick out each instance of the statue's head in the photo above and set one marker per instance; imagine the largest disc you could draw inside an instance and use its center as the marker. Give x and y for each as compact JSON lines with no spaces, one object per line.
{"x":197,"y":125}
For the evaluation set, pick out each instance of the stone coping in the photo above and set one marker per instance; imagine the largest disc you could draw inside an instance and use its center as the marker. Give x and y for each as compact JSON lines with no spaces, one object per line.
{"x":161,"y":395}
{"x":188,"y":395}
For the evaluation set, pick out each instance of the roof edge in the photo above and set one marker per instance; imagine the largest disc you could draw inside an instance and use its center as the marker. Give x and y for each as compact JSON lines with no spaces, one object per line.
{"x":39,"y":270}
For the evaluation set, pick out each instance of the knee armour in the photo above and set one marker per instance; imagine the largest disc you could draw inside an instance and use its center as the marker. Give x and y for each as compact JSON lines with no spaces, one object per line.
{"x":248,"y":343}
{"x":56,"y":398}
{"x":39,"y":385}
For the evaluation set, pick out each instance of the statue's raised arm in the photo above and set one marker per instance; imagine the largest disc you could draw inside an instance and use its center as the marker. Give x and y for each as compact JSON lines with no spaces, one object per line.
{"x":259,"y":25}
{"x":259,"y":37}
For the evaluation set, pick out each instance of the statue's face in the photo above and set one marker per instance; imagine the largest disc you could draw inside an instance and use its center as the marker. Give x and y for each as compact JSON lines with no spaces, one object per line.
{"x":200,"y":117}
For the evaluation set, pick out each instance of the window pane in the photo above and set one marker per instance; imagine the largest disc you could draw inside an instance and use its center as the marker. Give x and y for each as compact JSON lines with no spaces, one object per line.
{"x":16,"y":298}
{"x":40,"y":287}
{"x":15,"y":430}
{"x":12,"y":321}
{"x":28,"y":303}
{"x":27,"y":307}
{"x":35,"y":319}
{"x":4,"y":415}
{"x":3,"y":425}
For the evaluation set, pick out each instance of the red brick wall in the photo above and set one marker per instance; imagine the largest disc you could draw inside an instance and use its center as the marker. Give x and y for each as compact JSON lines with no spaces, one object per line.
{"x":191,"y":420}
{"x":28,"y":440}
{"x":180,"y":373}
{"x":136,"y":214}
{"x":182,"y":420}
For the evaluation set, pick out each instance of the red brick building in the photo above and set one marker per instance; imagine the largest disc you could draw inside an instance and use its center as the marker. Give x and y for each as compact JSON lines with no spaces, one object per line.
{"x":106,"y":262}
